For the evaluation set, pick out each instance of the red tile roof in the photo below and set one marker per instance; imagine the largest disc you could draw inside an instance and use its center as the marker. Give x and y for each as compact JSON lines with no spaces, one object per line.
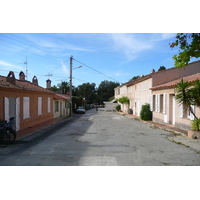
{"x":61,"y":96}
{"x":22,"y":85}
{"x":172,"y":84}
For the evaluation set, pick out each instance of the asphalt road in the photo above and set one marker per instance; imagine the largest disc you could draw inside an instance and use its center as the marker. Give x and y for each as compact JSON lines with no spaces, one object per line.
{"x":99,"y":138}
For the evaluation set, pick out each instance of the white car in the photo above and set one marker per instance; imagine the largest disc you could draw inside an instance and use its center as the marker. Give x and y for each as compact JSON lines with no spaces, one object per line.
{"x":80,"y":109}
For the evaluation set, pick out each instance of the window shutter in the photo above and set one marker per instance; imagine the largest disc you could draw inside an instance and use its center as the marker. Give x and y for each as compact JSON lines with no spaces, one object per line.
{"x":151,"y":102}
{"x":181,"y":110}
{"x":6,"y":108}
{"x":156,"y":107}
{"x":158,"y":99}
{"x":39,"y":105}
{"x":49,"y":105}
{"x":164,"y":103}
{"x":26,"y":107}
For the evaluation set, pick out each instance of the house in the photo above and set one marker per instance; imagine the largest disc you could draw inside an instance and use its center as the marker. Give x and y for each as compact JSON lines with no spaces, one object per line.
{"x":163,"y":105}
{"x":167,"y":110}
{"x":121,"y":91}
{"x":61,"y":105}
{"x":27,"y":101}
{"x":139,"y":93}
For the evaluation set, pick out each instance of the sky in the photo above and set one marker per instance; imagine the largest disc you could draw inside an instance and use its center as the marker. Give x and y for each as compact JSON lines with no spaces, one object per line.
{"x":103,"y":56}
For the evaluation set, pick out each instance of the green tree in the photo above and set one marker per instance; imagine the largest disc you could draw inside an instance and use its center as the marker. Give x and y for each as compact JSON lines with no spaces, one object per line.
{"x":87,"y":91}
{"x":54,"y":88}
{"x":124,"y":100}
{"x":135,"y":77}
{"x":189,"y":46}
{"x":161,"y":68}
{"x":63,"y":87}
{"x":188,"y":94}
{"x":106,"y":90}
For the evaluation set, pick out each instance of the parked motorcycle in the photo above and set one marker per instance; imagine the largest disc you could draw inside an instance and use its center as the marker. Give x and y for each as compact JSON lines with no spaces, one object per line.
{"x":7,"y":133}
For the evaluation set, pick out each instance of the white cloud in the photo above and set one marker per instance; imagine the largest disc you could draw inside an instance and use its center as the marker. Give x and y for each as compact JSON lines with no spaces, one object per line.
{"x":130,"y":44}
{"x":9,"y":65}
{"x":56,"y":44}
{"x":65,"y":69}
{"x":162,"y":36}
{"x":120,"y":73}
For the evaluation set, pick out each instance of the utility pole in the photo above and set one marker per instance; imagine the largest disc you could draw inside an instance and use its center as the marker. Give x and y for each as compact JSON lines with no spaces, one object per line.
{"x":70,"y":90}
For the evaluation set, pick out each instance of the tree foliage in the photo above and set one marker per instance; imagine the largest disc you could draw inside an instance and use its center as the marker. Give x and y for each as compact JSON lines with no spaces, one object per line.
{"x":87,"y":91}
{"x":188,"y":94}
{"x":124,"y":100}
{"x":106,"y":90}
{"x":161,"y":68}
{"x":63,"y":87}
{"x":189,"y":46}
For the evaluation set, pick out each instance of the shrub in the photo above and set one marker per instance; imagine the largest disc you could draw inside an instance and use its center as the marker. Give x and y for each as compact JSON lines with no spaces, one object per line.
{"x":123,"y":100}
{"x":195,"y":124}
{"x":145,"y":113}
{"x":118,"y":108}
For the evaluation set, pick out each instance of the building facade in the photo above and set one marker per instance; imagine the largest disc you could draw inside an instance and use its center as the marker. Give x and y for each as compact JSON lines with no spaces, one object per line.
{"x":29,"y":103}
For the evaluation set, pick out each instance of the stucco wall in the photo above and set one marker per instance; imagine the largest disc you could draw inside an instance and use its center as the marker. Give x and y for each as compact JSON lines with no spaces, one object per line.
{"x":34,"y":117}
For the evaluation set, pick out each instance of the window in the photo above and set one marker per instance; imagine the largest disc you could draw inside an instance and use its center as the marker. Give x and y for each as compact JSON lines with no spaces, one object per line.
{"x":56,"y":106}
{"x":161,"y":103}
{"x":26,"y":107}
{"x":49,"y":104}
{"x":190,"y":115}
{"x":39,"y":105}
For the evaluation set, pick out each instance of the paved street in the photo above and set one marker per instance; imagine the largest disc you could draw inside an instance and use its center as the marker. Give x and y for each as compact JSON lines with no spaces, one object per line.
{"x":99,"y":138}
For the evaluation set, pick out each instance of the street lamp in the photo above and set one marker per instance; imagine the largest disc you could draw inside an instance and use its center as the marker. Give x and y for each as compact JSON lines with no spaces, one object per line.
{"x":70,"y":91}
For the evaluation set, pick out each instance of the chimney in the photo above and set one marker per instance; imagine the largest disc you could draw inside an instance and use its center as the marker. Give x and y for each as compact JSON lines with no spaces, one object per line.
{"x":21,"y":76}
{"x":34,"y":80}
{"x":48,"y":84}
{"x":11,"y":78}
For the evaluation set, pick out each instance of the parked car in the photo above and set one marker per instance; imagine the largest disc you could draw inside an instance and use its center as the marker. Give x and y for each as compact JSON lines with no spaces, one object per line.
{"x":80,"y":109}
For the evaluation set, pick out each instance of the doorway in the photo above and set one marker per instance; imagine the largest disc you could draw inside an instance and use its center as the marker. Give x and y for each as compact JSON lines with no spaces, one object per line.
{"x":12,"y":109}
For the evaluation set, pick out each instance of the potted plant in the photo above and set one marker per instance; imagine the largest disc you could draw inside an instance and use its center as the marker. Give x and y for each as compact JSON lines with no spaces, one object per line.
{"x":195,"y":132}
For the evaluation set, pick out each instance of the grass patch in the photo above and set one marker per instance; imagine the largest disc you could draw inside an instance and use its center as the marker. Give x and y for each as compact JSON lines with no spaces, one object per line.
{"x":135,"y":118}
{"x":165,"y":163}
{"x":153,"y":127}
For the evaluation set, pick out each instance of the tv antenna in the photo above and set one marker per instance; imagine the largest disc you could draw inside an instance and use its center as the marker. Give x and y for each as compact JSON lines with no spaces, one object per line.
{"x":26,"y":63}
{"x":49,"y":75}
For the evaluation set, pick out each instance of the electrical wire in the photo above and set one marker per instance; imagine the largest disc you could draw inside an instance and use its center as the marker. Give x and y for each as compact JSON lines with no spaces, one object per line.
{"x":96,"y":70}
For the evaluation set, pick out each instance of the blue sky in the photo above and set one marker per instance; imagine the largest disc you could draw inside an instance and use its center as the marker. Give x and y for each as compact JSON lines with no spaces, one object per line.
{"x":103,"y":56}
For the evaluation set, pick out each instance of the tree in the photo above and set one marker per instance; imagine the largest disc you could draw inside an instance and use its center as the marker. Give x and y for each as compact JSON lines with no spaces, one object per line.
{"x":54,"y":88}
{"x":161,"y":68}
{"x":124,"y":100}
{"x":87,"y":91}
{"x":189,"y":46}
{"x":106,"y":90}
{"x":135,"y":77}
{"x":63,"y":87}
{"x":188,"y":94}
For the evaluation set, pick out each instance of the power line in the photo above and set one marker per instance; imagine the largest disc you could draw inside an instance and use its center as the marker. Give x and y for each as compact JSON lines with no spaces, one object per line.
{"x":25,"y":47}
{"x":96,"y":70}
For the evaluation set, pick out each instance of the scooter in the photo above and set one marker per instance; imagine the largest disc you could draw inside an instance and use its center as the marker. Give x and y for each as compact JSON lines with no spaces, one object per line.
{"x":7,"y":129}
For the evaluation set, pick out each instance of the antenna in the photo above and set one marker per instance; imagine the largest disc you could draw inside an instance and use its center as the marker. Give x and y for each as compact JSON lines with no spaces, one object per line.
{"x":26,"y":63}
{"x":49,"y":75}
